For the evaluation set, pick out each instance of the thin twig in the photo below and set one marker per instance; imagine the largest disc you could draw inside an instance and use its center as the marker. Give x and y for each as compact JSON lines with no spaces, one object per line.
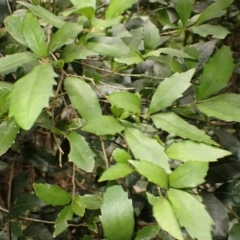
{"x":104,"y":152}
{"x":9,"y":7}
{"x":73,"y":180}
{"x":61,"y":152}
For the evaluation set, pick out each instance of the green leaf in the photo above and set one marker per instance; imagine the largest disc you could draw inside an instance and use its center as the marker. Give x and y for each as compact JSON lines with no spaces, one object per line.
{"x":147,"y":233}
{"x":104,"y":125}
{"x":77,"y":207}
{"x":170,"y":90}
{"x":84,"y":4}
{"x":120,"y":155}
{"x":5,"y":89}
{"x":90,"y":201}
{"x":14,"y":27}
{"x":165,"y":217}
{"x":204,"y":30}
{"x":101,"y":24}
{"x":117,"y":213}
{"x":199,"y":224}
{"x":116,"y":8}
{"x":172,"y":123}
{"x":126,"y":100}
{"x":39,"y":83}
{"x":8,"y":132}
{"x":130,"y":59}
{"x":24,"y":203}
{"x":83,"y":98}
{"x":184,"y":9}
{"x":191,"y":151}
{"x":109,"y":46}
{"x":188,"y":175}
{"x":11,"y":62}
{"x":212,"y":10}
{"x":66,"y":32}
{"x":216,"y":74}
{"x":234,"y":232}
{"x":34,"y":35}
{"x":152,"y":172}
{"x":81,"y":154}
{"x":73,"y":51}
{"x":51,"y":194}
{"x":116,"y":171}
{"x":151,"y":36}
{"x":147,"y":149}
{"x":44,"y":14}
{"x":61,"y":223}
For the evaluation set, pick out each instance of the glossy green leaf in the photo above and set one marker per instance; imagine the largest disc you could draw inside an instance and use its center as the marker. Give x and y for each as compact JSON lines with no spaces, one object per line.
{"x":147,"y":149}
{"x":166,"y":218}
{"x":221,"y":110}
{"x":151,"y":36}
{"x":170,"y":90}
{"x":188,"y":175}
{"x":104,"y":125}
{"x":116,"y":171}
{"x":39,"y":83}
{"x":120,"y":155}
{"x":116,"y":8}
{"x":184,"y":205}
{"x":215,"y":74}
{"x":204,"y":30}
{"x":51,"y":194}
{"x":81,"y":154}
{"x":34,"y":35}
{"x":192,"y":151}
{"x":212,"y":10}
{"x":61,"y":223}
{"x":109,"y":46}
{"x":172,"y":123}
{"x":90,"y":201}
{"x":117,"y":213}
{"x":24,"y":203}
{"x":73,"y":51}
{"x":14,"y":28}
{"x":126,"y":100}
{"x":152,"y":172}
{"x":83,"y":98}
{"x":77,"y":207}
{"x":101,"y":24}
{"x":66,"y":32}
{"x":147,"y":233}
{"x":44,"y":14}
{"x":11,"y":62}
{"x":184,"y":9}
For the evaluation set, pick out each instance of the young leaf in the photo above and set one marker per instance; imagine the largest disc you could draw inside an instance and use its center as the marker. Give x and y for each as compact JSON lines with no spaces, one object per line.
{"x":81,"y":154}
{"x":152,"y":172}
{"x":61,"y":223}
{"x":34,"y":90}
{"x":147,"y":233}
{"x":117,"y":213}
{"x":130,"y":59}
{"x":172,"y":123}
{"x":184,"y":9}
{"x":104,"y":125}
{"x":8,"y":133}
{"x":83,"y":98}
{"x":66,"y":32}
{"x":165,"y":217}
{"x":77,"y":207}
{"x":90,"y":201}
{"x":146,"y":149}
{"x":120,"y":155}
{"x":51,"y":194}
{"x":199,"y":224}
{"x":188,"y":175}
{"x":170,"y":90}
{"x":126,"y":100}
{"x":215,"y":74}
{"x":14,"y":27}
{"x":151,"y":36}
{"x":12,"y":62}
{"x":204,"y":30}
{"x":116,"y":171}
{"x":34,"y":35}
{"x":191,"y":151}
{"x":109,"y":46}
{"x":84,"y":4}
{"x":44,"y":14}
{"x":212,"y":10}
{"x":116,"y":8}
